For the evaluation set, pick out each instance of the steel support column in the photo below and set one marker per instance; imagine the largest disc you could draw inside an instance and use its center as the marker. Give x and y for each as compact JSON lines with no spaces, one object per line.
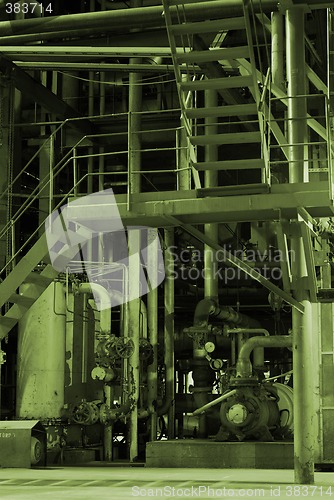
{"x":169,"y":329}
{"x":301,"y":323}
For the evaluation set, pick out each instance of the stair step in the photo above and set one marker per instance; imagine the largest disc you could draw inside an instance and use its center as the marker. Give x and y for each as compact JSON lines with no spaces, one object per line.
{"x":234,"y":23}
{"x":17,"y":276}
{"x":198,"y":56}
{"x":230,"y":165}
{"x":38,"y":279}
{"x":7,"y":323}
{"x":218,"y":83}
{"x":232,"y":110}
{"x":21,"y":300}
{"x":237,"y":138}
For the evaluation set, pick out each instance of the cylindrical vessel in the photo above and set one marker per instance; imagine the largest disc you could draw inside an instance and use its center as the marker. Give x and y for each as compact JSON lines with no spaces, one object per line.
{"x":41,"y":356}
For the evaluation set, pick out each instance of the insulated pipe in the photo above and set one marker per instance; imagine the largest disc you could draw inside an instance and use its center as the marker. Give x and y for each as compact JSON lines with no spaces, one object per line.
{"x":208,"y":307}
{"x":204,"y":408}
{"x":277,"y":49}
{"x":211,"y":180}
{"x":152,"y":309}
{"x":135,"y":121}
{"x":201,"y":394}
{"x":138,"y":17}
{"x":134,"y":239}
{"x":169,"y":329}
{"x":304,"y":432}
{"x":244,"y":366}
{"x":102,"y":298}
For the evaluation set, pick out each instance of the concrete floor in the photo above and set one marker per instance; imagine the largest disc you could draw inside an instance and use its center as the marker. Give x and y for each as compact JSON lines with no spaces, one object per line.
{"x":114,"y":483}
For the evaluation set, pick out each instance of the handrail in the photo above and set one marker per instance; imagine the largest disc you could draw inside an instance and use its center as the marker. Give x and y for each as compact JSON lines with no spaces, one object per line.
{"x":316,"y":140}
{"x":56,"y":171}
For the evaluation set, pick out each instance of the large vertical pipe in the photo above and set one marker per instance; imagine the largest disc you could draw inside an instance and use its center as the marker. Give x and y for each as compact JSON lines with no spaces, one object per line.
{"x":301,"y":323}
{"x":134,"y":333}
{"x":211,"y":180}
{"x":169,"y":329}
{"x":152,"y":313}
{"x":210,"y":262}
{"x":102,"y":112}
{"x":135,"y":106}
{"x":277,"y":49}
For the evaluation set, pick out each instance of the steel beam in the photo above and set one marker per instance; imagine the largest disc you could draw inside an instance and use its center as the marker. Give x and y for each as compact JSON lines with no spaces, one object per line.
{"x":284,"y":201}
{"x":38,"y":93}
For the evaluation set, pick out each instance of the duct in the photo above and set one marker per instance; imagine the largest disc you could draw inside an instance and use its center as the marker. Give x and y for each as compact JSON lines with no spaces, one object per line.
{"x":244,"y":366}
{"x":135,"y":17}
{"x":209,"y":307}
{"x":104,"y":302}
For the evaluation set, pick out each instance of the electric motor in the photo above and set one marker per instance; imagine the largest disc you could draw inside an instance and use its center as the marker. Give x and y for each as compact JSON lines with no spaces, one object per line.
{"x":252,"y":413}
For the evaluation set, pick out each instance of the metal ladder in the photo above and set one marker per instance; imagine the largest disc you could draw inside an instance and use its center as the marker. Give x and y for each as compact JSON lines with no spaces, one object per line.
{"x":216,"y":68}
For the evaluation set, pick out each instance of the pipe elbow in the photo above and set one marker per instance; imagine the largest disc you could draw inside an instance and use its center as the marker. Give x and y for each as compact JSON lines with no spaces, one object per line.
{"x":102,"y":301}
{"x":244,"y":367}
{"x":203,"y":310}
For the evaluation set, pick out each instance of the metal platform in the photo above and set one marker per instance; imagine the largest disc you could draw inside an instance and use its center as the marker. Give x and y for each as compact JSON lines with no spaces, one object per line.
{"x":200,"y":453}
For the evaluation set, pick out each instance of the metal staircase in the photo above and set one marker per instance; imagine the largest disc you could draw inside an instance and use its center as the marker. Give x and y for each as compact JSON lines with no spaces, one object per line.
{"x":23,"y":272}
{"x":202,"y":66}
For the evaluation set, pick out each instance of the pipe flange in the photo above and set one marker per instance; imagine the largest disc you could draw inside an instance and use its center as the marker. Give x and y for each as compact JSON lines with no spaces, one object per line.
{"x":244,"y":382}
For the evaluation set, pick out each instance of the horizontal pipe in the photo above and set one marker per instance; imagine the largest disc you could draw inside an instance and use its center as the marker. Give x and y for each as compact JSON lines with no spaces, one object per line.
{"x":210,"y":308}
{"x":244,"y":366}
{"x":112,"y":20}
{"x":216,"y":401}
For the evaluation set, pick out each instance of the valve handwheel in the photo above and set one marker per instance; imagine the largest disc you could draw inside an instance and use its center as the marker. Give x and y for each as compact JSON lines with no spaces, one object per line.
{"x":124,"y":347}
{"x":145,"y":349}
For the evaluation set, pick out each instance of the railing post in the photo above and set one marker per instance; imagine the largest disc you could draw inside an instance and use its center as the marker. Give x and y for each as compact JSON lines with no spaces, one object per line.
{"x":75,"y":172}
{"x":129,"y":187}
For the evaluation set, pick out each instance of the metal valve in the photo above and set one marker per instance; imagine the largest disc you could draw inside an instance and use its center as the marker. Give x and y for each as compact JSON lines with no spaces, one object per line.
{"x":2,"y":357}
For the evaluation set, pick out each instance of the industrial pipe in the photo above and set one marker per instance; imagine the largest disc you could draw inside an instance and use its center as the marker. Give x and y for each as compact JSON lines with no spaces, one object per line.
{"x":209,"y":307}
{"x":303,"y":334}
{"x":110,"y":20}
{"x":244,"y":366}
{"x":169,"y":329}
{"x":103,"y":300}
{"x":153,"y":331}
{"x":258,"y":351}
{"x":204,"y":408}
